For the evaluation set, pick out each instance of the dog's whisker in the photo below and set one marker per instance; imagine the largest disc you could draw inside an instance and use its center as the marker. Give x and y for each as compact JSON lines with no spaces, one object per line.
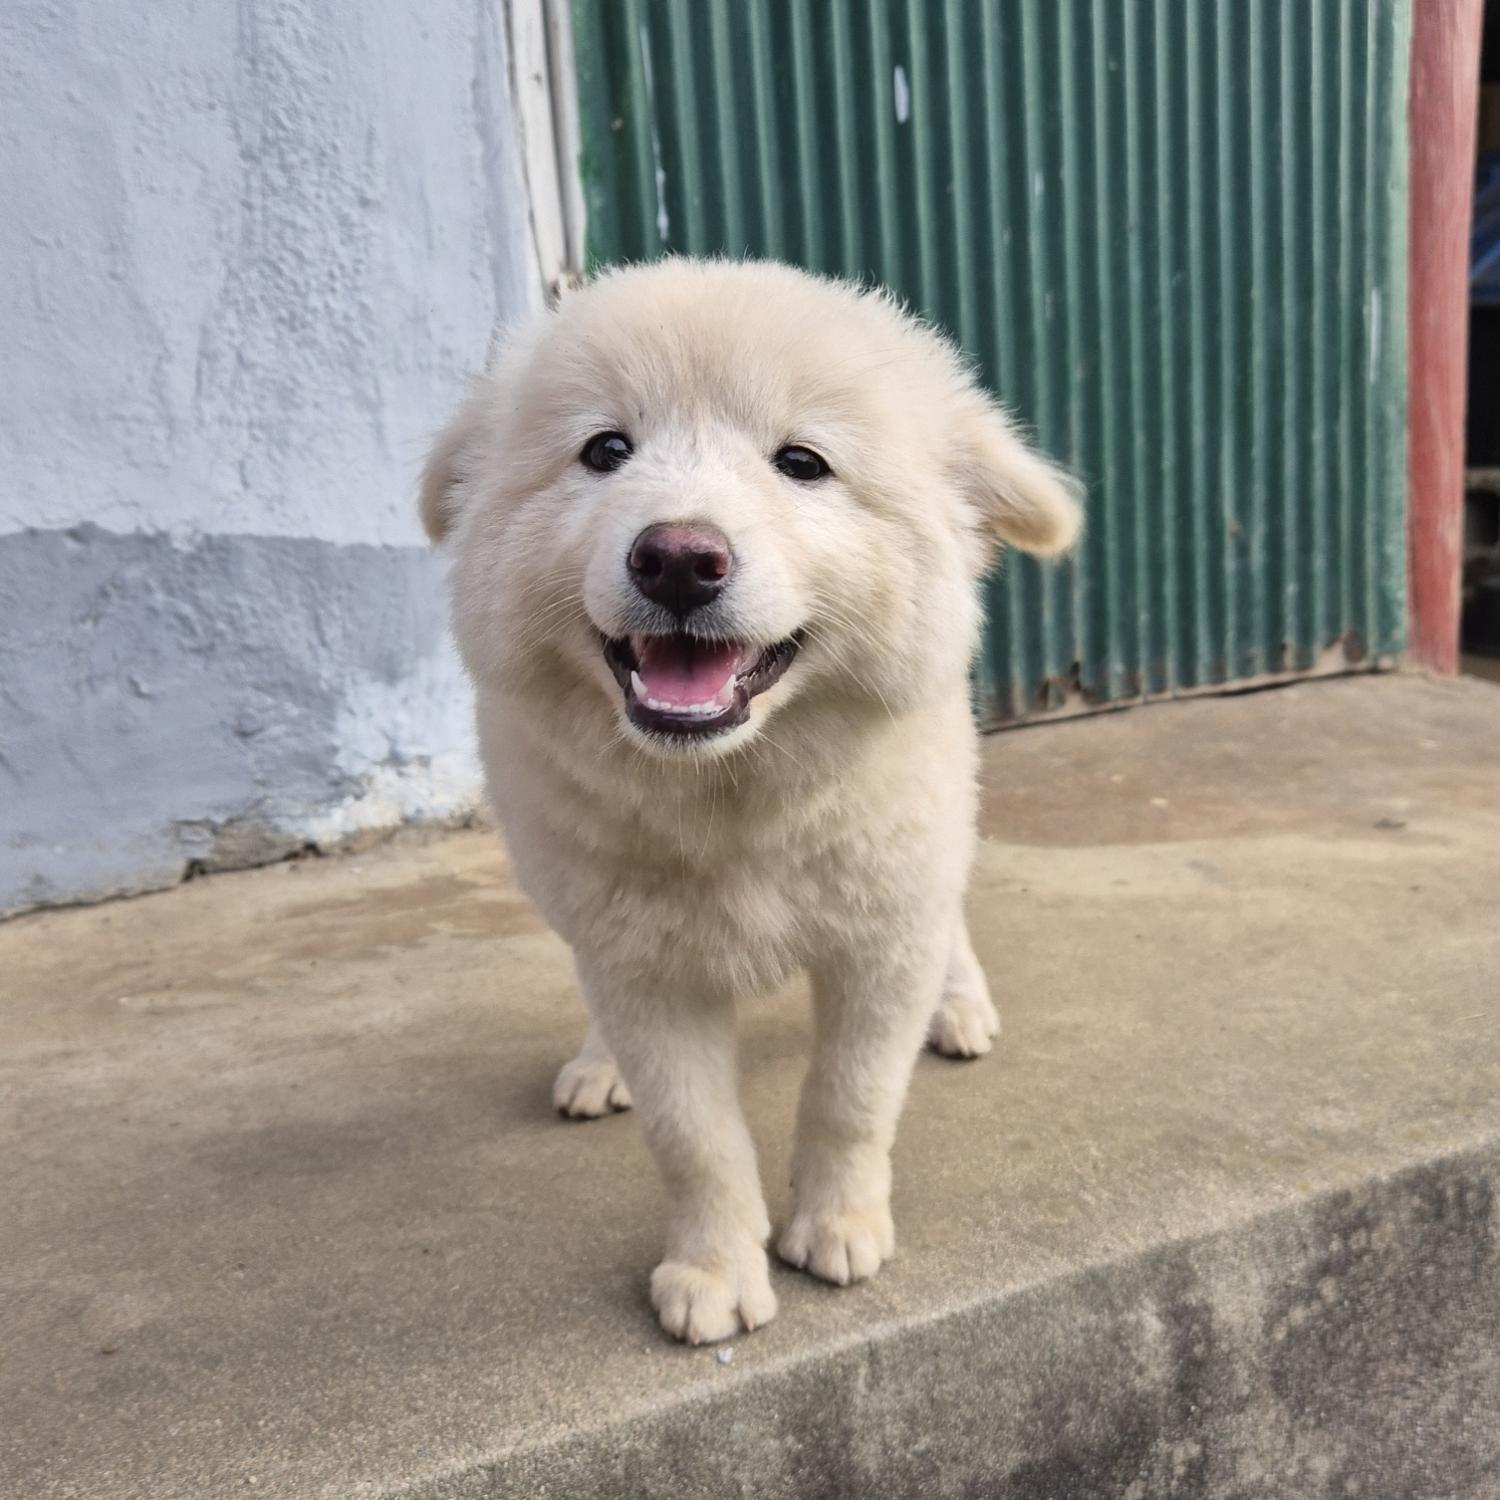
{"x":780,"y":746}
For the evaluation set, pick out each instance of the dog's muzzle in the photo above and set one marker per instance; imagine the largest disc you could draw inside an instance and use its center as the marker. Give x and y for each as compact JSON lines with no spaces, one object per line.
{"x":684,"y":686}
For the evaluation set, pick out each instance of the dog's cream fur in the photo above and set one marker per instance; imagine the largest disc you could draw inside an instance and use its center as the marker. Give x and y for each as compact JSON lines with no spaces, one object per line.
{"x":832,"y":832}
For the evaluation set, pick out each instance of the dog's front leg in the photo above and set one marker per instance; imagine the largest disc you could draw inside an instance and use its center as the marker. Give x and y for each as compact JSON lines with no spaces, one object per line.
{"x":872,"y":1003}
{"x":678,"y":1057}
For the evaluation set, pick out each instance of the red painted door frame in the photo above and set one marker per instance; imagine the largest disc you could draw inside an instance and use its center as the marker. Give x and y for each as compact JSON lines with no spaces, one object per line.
{"x":1441,"y":119}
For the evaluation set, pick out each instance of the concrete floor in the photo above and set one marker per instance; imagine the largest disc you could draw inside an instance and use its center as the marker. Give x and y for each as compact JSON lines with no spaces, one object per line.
{"x":285,"y":1206}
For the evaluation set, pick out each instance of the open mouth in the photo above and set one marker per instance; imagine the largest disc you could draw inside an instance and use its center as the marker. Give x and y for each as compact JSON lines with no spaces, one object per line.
{"x":684,"y":686}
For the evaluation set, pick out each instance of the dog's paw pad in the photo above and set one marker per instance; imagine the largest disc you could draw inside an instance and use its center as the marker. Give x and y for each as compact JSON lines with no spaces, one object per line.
{"x":839,"y":1247}
{"x":587,"y":1088}
{"x":702,"y":1306}
{"x":963,"y":1026}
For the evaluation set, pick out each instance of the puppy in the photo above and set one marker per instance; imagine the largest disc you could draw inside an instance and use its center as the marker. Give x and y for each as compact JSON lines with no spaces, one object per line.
{"x":717,"y":534}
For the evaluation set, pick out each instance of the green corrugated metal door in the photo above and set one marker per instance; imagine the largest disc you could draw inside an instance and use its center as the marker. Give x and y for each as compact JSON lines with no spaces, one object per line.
{"x":1172,"y":233}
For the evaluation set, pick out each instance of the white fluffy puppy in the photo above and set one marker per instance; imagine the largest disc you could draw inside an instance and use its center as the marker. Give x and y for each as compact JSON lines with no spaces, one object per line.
{"x":717,"y":533}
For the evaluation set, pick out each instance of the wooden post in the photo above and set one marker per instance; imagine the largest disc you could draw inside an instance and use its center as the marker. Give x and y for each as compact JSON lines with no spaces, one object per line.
{"x":1441,"y":118}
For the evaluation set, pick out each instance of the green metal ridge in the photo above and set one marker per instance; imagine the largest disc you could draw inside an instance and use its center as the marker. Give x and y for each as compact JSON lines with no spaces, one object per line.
{"x":1172,"y":237}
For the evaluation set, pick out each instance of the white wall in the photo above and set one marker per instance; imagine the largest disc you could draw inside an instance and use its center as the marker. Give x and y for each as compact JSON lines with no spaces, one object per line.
{"x":248,"y":253}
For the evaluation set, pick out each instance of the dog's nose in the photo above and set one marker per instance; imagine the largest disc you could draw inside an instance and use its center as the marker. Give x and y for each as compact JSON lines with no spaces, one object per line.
{"x":681,"y":568}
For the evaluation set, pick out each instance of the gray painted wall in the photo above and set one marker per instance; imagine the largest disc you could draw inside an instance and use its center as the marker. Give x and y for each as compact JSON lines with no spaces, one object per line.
{"x":247,"y":253}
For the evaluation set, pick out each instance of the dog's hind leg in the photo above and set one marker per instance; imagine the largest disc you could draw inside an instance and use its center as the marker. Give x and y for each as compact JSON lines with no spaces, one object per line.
{"x":965,"y":1023}
{"x":591,"y":1085}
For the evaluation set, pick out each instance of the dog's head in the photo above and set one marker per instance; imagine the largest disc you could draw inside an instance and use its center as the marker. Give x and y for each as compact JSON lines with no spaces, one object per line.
{"x":705,"y":490}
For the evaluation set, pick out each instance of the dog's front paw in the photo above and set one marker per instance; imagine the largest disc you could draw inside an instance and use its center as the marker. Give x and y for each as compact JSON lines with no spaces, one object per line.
{"x":589,"y":1087}
{"x":963,"y":1025}
{"x":701,"y":1305}
{"x":839,"y":1247}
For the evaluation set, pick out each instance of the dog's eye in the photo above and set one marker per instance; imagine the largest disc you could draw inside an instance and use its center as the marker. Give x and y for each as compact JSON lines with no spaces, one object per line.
{"x":801,"y":464}
{"x":605,"y":452}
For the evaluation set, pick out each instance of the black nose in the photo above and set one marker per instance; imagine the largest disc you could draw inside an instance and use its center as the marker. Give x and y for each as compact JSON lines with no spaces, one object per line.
{"x":681,"y":568}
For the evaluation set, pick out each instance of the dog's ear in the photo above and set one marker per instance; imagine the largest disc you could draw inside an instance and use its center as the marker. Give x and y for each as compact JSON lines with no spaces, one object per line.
{"x":446,"y":469}
{"x":1023,"y":499}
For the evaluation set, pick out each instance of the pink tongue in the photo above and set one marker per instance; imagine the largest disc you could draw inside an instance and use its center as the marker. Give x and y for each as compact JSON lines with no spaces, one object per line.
{"x":680,"y":670}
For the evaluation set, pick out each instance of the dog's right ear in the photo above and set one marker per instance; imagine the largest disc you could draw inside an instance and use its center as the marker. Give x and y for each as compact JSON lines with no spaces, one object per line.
{"x":1023,"y":499}
{"x":447,"y":468}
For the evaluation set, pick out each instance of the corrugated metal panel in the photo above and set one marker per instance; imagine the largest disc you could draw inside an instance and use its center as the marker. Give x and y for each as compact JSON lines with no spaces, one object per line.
{"x":1172,"y":233}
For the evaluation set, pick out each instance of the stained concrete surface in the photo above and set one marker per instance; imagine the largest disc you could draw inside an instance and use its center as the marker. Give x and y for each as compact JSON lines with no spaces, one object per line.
{"x":286,"y":1210}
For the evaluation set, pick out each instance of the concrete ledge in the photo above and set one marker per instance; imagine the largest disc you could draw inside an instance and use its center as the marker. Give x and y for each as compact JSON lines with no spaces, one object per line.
{"x":287,"y":1210}
{"x":1347,"y":1346}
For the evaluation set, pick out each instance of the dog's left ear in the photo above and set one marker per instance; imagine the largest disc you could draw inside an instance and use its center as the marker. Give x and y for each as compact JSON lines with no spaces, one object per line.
{"x":1023,"y":499}
{"x":446,"y":470}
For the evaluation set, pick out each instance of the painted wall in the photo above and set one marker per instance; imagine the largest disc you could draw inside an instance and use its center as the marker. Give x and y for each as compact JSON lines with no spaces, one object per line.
{"x":248,"y":253}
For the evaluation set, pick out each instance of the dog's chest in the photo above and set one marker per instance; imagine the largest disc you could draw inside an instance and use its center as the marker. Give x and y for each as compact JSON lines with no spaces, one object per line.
{"x":723,"y":899}
{"x":730,"y":917}
{"x":720,"y":881}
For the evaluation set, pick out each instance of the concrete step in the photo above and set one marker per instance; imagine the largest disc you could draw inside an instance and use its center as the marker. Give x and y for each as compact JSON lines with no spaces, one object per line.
{"x":286,"y":1209}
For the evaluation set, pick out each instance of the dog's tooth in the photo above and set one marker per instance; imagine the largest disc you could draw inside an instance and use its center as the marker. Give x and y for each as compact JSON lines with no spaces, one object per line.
{"x":709,"y":708}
